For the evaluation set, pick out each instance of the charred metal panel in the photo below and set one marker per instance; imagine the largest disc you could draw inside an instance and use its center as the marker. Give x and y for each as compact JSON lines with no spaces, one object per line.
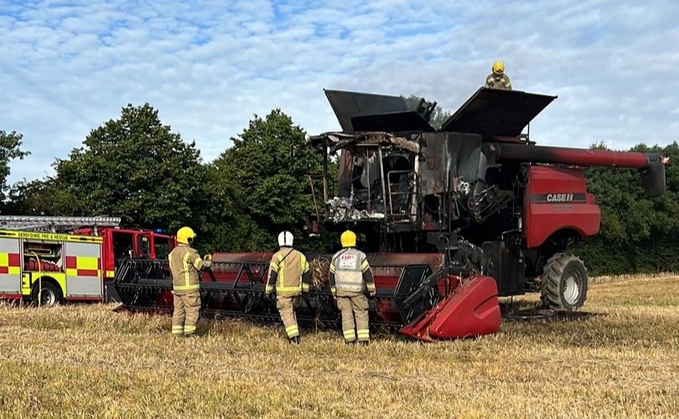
{"x":507,"y":266}
{"x":348,"y":105}
{"x":407,"y":121}
{"x":494,"y":112}
{"x":448,"y":155}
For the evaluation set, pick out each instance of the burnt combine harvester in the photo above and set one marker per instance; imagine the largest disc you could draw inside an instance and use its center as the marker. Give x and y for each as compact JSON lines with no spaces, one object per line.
{"x":451,"y":218}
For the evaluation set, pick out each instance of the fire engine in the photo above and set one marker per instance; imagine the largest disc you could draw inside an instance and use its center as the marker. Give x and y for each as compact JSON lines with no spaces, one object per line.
{"x":47,"y":260}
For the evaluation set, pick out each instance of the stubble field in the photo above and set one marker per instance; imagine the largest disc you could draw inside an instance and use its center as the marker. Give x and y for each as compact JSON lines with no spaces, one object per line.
{"x":619,"y":358}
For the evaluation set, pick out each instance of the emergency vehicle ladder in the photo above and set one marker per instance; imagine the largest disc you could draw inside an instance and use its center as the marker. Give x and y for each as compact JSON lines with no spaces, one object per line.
{"x":55,"y":223}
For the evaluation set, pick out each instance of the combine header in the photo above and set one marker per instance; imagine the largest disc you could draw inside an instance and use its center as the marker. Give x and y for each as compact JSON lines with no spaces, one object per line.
{"x":451,"y":218}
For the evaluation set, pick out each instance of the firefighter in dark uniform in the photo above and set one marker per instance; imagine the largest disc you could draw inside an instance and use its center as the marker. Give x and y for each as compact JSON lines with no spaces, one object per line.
{"x":350,"y":276}
{"x":498,"y":79}
{"x":289,"y":276}
{"x":185,"y":265}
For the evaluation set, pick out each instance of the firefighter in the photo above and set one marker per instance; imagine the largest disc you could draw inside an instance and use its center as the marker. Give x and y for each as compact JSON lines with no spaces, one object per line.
{"x":289,"y":276}
{"x":498,"y":79}
{"x":185,"y":265}
{"x":350,"y":276}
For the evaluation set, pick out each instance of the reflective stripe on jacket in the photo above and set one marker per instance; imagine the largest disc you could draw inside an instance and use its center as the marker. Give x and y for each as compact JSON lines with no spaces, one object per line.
{"x":289,"y":265}
{"x":185,"y":264}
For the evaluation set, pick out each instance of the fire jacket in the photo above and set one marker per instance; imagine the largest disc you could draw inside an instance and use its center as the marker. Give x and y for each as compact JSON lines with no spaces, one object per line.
{"x":495,"y":81}
{"x":350,"y":273}
{"x":289,"y":273}
{"x":185,"y":264}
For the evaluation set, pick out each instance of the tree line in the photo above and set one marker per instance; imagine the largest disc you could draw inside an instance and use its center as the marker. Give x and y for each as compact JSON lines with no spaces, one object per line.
{"x":136,"y":168}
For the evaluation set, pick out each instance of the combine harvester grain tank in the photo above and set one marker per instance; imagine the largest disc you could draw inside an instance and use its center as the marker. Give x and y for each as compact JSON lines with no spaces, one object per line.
{"x":451,"y":218}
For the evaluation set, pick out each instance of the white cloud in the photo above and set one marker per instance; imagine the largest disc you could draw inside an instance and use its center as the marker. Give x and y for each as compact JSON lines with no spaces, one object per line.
{"x":209,"y":66}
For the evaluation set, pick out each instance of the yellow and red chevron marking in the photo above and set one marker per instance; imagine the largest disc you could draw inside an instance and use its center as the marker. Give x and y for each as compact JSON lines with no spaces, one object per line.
{"x":10,"y":263}
{"x":83,"y":266}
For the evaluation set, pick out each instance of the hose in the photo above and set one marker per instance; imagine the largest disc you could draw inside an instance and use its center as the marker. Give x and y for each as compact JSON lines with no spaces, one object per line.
{"x":39,"y":277}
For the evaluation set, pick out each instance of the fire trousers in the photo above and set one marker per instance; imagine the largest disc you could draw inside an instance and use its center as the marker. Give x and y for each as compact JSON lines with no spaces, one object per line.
{"x":354,"y":311}
{"x":286,"y":307}
{"x":186,"y":312}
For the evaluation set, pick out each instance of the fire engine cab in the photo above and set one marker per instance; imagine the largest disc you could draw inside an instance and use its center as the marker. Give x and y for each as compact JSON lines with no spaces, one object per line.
{"x":47,"y":260}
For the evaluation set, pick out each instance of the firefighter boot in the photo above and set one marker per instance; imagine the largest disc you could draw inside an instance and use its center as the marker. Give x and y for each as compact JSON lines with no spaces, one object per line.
{"x":364,"y":342}
{"x":295,"y":340}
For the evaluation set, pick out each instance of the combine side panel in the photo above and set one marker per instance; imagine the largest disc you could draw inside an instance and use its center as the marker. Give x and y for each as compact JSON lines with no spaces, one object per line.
{"x":471,"y":310}
{"x":556,"y":198}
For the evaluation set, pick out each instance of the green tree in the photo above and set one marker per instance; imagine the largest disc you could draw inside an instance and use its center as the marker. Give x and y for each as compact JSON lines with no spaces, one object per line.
{"x":10,"y":149}
{"x":438,"y":116}
{"x":267,"y":170}
{"x":227,"y":226}
{"x":636,"y":231}
{"x":136,"y":168}
{"x":43,"y":197}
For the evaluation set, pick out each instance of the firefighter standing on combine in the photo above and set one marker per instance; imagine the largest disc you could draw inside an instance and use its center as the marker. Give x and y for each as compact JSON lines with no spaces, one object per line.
{"x":498,"y":79}
{"x":350,"y":276}
{"x":289,"y":276}
{"x":185,"y":265}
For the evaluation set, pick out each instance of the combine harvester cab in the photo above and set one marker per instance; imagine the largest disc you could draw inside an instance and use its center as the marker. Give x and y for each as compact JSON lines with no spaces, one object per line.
{"x":451,"y":218}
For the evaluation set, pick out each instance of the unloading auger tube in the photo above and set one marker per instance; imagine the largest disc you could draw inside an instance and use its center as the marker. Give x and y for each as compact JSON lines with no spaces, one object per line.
{"x":421,"y":295}
{"x":650,"y":165}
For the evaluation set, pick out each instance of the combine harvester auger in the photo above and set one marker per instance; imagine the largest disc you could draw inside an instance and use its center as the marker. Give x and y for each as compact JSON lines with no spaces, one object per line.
{"x":451,"y":218}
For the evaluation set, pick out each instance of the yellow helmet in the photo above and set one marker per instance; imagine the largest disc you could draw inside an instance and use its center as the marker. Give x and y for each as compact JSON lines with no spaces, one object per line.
{"x":498,"y":67}
{"x":185,"y":235}
{"x":348,"y":239}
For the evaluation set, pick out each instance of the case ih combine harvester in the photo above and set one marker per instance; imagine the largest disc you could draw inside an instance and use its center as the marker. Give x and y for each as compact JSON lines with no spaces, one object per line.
{"x":451,"y":218}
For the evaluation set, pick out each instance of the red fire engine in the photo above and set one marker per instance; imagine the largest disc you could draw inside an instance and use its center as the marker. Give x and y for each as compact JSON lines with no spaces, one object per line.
{"x":47,"y":260}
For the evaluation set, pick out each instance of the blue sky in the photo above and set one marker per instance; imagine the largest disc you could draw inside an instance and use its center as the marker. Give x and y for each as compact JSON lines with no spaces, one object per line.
{"x":209,"y":65}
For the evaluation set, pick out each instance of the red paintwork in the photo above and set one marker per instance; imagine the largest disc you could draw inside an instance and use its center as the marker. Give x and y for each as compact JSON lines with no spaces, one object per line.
{"x":108,"y":262}
{"x":87,"y":272}
{"x":71,"y":262}
{"x":541,"y":220}
{"x":572,"y":156}
{"x":166,"y":298}
{"x":386,"y":267}
{"x":471,"y":310}
{"x":13,"y":259}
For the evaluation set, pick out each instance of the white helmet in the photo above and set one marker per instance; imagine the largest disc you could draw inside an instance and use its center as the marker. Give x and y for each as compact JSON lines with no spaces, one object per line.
{"x":285,"y":239}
